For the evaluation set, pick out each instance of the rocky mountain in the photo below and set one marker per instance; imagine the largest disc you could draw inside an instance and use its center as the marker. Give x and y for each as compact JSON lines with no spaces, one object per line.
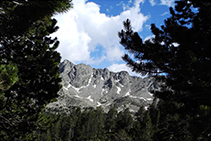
{"x":85,"y":86}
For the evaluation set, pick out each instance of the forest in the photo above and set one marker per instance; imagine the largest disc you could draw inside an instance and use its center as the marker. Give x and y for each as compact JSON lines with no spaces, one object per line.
{"x":96,"y":125}
{"x":29,"y":77}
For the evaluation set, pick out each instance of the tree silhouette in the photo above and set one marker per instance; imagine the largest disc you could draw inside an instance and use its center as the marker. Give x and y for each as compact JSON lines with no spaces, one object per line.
{"x":18,"y":15}
{"x":27,"y":54}
{"x":178,"y":56}
{"x":180,"y":50}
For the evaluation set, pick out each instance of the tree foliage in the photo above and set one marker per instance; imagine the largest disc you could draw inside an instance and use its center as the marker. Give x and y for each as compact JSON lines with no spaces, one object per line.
{"x":89,"y":124}
{"x":8,"y":76}
{"x":29,"y":63}
{"x":16,"y":13}
{"x":178,"y":56}
{"x":38,"y":74}
{"x":180,"y":50}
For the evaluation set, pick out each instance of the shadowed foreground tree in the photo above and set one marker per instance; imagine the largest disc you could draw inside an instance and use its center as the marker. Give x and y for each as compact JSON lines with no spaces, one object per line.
{"x":38,"y":76}
{"x":180,"y":49}
{"x":27,"y":54}
{"x":179,"y":55}
{"x":16,"y":16}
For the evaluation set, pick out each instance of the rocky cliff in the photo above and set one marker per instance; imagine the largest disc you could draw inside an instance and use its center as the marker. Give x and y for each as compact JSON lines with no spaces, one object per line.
{"x":85,"y":86}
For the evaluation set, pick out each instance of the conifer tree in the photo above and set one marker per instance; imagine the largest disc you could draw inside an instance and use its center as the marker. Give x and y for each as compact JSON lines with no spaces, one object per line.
{"x":100,"y":122}
{"x":147,"y":129}
{"x":110,"y":122}
{"x":38,"y":75}
{"x":25,"y":42}
{"x":124,"y":120}
{"x":8,"y":76}
{"x":180,"y":50}
{"x":16,"y":16}
{"x":178,"y":56}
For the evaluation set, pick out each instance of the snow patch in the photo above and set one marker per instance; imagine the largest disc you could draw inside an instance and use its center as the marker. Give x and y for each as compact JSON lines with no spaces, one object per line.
{"x":66,"y":88}
{"x":90,"y":79}
{"x":150,"y":94}
{"x":94,"y":86}
{"x":116,"y":80}
{"x":142,"y":98}
{"x":108,"y":104}
{"x":118,"y":90}
{"x":146,"y":107}
{"x":89,"y":98}
{"x":121,"y":85}
{"x":98,"y":104}
{"x":104,"y":90}
{"x":78,"y":89}
{"x":136,"y":97}
{"x":131,"y":110}
{"x":149,"y":99}
{"x":128,"y":93}
{"x":77,"y":96}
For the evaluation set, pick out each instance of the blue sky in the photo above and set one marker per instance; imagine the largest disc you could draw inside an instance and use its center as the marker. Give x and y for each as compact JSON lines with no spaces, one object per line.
{"x":89,"y":32}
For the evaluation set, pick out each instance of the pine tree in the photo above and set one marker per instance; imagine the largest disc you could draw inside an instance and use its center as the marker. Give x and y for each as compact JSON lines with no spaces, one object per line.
{"x":38,"y":75}
{"x":139,"y":115}
{"x":178,"y":56}
{"x":110,"y":122}
{"x":147,"y":128}
{"x":27,"y":48}
{"x":100,"y":121}
{"x":124,"y":120}
{"x":8,"y":76}
{"x":180,"y":50}
{"x":174,"y":124}
{"x":14,"y":14}
{"x":122,"y":136}
{"x":138,"y":124}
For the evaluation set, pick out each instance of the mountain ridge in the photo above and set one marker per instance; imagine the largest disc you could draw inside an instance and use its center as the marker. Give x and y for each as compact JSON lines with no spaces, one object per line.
{"x":84,"y":86}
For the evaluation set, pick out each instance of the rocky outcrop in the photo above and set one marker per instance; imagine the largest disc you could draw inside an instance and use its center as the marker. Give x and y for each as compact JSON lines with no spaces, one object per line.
{"x":85,"y":86}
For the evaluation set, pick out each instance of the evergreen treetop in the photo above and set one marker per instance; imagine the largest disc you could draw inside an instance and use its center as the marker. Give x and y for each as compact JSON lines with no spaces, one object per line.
{"x":16,"y":16}
{"x":180,"y":50}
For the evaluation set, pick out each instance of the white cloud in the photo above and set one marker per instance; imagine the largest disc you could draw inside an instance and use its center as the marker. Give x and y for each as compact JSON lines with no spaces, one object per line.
{"x":152,"y":2}
{"x":126,"y":6}
{"x":167,"y":2}
{"x":149,"y":38}
{"x":115,"y":53}
{"x":130,"y":1}
{"x":109,"y":9}
{"x":165,"y":13}
{"x":137,"y":2}
{"x":84,"y":27}
{"x":122,"y":67}
{"x":119,"y":3}
{"x":175,"y":44}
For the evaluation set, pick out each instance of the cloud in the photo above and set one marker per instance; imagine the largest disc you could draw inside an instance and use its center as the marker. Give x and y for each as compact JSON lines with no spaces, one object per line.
{"x":122,"y":67}
{"x":120,"y":3}
{"x":165,"y":13}
{"x":126,"y":6}
{"x":84,"y":28}
{"x":150,"y":37}
{"x":109,"y":9}
{"x":169,"y":3}
{"x":152,"y":2}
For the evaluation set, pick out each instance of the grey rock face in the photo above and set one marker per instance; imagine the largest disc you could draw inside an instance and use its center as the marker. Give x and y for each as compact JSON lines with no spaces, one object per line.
{"x":85,"y":86}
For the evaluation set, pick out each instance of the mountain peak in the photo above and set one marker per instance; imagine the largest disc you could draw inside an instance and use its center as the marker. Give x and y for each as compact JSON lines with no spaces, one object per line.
{"x":85,"y":86}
